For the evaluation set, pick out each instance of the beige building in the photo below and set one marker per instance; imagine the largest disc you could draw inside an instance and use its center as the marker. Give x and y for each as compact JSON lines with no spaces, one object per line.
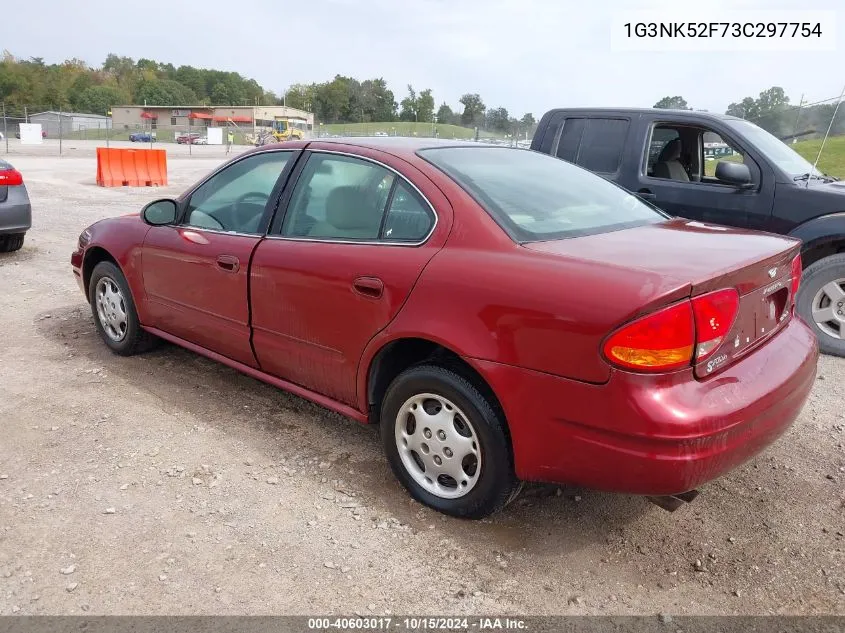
{"x":178,"y":119}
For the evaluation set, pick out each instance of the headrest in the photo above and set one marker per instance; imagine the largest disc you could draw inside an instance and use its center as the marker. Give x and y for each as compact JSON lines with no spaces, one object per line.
{"x":347,"y":210}
{"x":670,"y":151}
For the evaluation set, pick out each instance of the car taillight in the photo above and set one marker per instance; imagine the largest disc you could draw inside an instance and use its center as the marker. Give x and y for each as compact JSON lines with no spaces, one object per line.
{"x":10,"y":178}
{"x":714,"y":313}
{"x":796,"y":274}
{"x":657,"y":342}
{"x":675,"y":336}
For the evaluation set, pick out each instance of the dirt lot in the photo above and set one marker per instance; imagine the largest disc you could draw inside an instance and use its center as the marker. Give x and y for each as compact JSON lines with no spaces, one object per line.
{"x":166,"y":483}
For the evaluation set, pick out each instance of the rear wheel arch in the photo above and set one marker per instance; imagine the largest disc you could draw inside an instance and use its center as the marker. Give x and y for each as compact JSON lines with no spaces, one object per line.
{"x":397,"y":355}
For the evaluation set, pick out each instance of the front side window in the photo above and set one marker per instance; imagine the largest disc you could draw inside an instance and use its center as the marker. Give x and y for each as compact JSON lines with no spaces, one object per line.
{"x":346,"y":198}
{"x":773,"y":148}
{"x":537,"y":197}
{"x":235,"y":199}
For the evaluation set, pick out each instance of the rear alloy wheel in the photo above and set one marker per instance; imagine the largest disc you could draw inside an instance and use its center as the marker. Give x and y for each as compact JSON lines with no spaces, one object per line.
{"x":821,"y":302}
{"x":446,"y":443}
{"x":11,"y":243}
{"x":114,"y":311}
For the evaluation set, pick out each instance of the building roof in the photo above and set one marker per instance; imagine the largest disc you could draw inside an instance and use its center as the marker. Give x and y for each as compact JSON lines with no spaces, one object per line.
{"x":71,"y":114}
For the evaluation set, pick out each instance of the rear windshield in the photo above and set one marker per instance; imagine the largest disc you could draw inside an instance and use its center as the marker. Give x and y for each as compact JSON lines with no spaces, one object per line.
{"x":536,"y":197}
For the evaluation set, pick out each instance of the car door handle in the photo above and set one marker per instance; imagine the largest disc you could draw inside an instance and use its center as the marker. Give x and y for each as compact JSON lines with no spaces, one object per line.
{"x":229,"y":263}
{"x":369,"y":287}
{"x":645,"y":194}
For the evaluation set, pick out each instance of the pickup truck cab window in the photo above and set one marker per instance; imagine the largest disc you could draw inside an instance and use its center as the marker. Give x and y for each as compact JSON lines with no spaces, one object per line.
{"x":593,"y":143}
{"x":690,"y":154}
{"x":776,"y":150}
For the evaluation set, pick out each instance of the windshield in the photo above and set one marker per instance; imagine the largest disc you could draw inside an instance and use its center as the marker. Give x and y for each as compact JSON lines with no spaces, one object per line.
{"x":536,"y":197}
{"x":775,"y":150}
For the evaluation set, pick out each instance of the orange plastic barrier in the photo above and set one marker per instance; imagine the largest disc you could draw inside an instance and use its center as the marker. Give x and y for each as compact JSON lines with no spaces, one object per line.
{"x":131,"y":167}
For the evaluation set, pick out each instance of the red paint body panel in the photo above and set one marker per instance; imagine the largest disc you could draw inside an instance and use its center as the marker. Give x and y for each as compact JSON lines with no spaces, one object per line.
{"x":191,"y":296}
{"x":659,"y":434}
{"x":531,"y":319}
{"x":310,"y":324}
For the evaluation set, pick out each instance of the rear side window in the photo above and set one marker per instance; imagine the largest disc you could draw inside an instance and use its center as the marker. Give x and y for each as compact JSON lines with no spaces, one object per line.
{"x":570,"y":139}
{"x":601,"y":145}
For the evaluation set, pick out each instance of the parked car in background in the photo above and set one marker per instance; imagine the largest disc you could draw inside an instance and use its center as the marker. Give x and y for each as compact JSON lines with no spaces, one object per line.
{"x":720,"y":169}
{"x":502,"y":315}
{"x":185,"y":138}
{"x":142,"y":137}
{"x":202,"y":140}
{"x":15,"y":208}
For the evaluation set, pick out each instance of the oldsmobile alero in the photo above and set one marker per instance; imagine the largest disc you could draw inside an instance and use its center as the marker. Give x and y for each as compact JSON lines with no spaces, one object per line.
{"x":502,"y":315}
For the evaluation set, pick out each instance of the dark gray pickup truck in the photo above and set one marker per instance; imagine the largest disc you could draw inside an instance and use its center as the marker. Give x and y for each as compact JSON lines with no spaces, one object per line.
{"x":724,"y":170}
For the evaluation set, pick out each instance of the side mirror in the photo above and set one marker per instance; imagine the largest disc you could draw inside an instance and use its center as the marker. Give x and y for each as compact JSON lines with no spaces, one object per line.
{"x":732,"y":173}
{"x":160,"y":212}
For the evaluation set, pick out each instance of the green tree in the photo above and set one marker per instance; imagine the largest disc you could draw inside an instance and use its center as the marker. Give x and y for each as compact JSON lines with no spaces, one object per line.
{"x":220,"y":95}
{"x":425,"y":106}
{"x":409,"y":105}
{"x":672,"y":103}
{"x":474,"y":109}
{"x":527,"y":121}
{"x":445,"y":114}
{"x":496,"y":119}
{"x":99,"y":99}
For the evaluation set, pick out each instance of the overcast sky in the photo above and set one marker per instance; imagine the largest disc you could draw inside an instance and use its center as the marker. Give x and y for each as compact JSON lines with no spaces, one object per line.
{"x":525,"y":55}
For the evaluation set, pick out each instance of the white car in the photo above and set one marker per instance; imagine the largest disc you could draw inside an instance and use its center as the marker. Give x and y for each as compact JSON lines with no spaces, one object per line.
{"x":202,"y":140}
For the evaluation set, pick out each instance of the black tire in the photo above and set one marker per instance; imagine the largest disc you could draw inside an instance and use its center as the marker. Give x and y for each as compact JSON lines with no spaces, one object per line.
{"x":11,"y":243}
{"x":135,"y":339}
{"x":497,"y":484}
{"x":815,"y":277}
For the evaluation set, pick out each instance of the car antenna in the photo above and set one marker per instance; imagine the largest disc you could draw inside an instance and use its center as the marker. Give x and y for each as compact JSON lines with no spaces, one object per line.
{"x":826,"y":134}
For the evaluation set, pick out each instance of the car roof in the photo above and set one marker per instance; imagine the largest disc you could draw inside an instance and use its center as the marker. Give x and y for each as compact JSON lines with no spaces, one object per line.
{"x":401,"y":146}
{"x":651,"y":111}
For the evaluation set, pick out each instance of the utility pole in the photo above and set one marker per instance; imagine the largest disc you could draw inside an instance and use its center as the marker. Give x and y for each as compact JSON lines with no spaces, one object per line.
{"x":798,"y":116}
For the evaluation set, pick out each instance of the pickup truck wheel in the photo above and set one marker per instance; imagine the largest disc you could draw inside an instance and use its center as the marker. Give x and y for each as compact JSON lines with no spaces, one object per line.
{"x":446,"y":443}
{"x":114,"y":312}
{"x":11,"y":243}
{"x":821,"y":302}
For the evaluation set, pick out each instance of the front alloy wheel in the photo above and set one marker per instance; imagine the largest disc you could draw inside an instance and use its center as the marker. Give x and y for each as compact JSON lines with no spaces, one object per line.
{"x":111,"y":309}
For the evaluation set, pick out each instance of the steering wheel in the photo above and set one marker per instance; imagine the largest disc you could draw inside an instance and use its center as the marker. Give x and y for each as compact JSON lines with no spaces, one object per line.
{"x":252,"y":194}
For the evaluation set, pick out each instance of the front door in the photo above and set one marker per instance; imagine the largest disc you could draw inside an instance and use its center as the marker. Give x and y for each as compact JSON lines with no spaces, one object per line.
{"x":336,"y":270}
{"x":196,"y":272}
{"x":691,"y":190}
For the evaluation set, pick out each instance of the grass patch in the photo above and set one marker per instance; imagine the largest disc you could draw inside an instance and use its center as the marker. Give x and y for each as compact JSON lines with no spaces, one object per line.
{"x":403,"y":128}
{"x":832,"y":161}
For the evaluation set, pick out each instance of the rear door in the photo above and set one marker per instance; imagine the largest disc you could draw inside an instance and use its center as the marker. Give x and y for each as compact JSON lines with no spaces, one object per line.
{"x":196,"y":271}
{"x":338,"y":265}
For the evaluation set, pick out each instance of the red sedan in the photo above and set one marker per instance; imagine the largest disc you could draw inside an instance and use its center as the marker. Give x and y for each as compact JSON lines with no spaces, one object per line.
{"x":502,"y":315}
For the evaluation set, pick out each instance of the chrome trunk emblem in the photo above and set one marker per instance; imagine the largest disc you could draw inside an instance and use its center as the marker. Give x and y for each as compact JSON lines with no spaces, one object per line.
{"x":773,"y":272}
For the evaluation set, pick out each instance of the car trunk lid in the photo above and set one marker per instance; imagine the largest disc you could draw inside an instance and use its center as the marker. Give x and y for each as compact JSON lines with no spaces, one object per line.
{"x":704,"y":258}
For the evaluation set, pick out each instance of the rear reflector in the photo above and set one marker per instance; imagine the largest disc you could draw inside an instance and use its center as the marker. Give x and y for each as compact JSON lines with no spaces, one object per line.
{"x":658,"y":342}
{"x":10,"y":178}
{"x":796,"y":275}
{"x":714,"y":313}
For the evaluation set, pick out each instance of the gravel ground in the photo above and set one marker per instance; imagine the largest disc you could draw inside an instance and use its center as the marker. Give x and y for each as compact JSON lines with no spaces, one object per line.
{"x":166,"y":483}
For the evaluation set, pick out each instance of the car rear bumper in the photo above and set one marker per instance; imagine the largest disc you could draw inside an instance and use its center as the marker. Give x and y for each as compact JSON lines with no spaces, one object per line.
{"x":658,"y":434}
{"x":15,"y":211}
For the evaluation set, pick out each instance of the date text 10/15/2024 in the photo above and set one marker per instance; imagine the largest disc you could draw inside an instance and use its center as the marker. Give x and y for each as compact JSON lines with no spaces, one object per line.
{"x":416,"y":624}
